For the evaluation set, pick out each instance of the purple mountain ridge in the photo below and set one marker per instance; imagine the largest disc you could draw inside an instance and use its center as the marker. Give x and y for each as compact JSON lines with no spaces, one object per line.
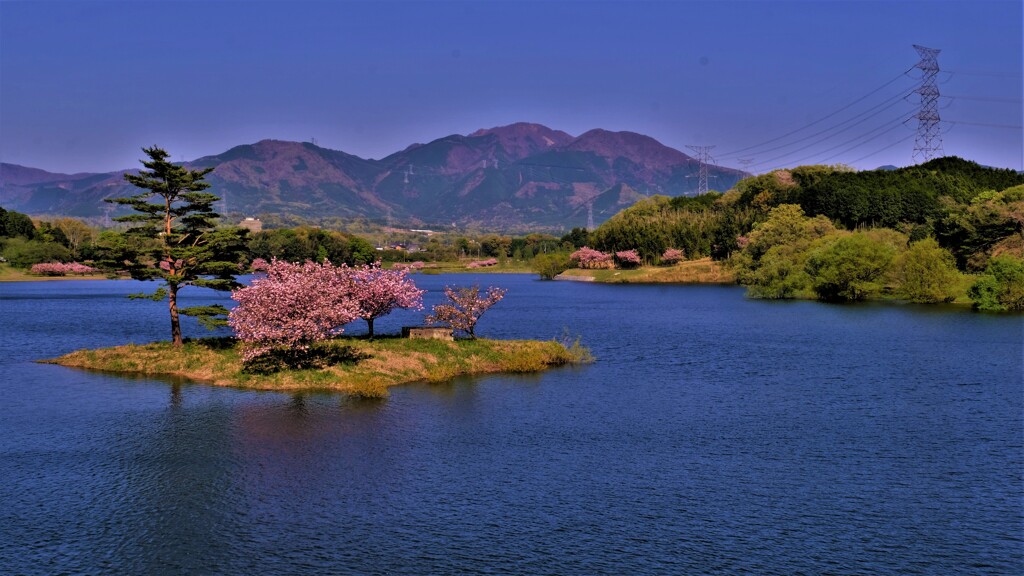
{"x":509,"y":177}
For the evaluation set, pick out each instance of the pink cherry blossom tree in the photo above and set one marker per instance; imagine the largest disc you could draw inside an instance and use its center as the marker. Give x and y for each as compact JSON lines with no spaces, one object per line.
{"x":628,"y":258}
{"x":672,"y":256}
{"x":377,"y":292}
{"x":483,"y":263}
{"x":61,"y":269}
{"x":589,"y":258}
{"x":465,"y":307}
{"x":294,"y":305}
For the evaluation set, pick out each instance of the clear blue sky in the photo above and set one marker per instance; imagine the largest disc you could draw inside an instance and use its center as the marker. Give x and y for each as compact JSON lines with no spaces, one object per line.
{"x":84,"y":85}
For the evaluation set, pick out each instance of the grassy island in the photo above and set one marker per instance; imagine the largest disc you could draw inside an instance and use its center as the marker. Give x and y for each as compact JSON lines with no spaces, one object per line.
{"x":363,"y":367}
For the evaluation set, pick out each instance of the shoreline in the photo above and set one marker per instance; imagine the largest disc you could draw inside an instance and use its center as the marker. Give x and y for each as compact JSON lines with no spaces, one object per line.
{"x":368,"y":369}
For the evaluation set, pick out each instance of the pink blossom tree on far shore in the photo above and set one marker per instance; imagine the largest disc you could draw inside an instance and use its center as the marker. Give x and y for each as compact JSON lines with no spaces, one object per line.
{"x":483,"y":263}
{"x":465,"y":307}
{"x":295,"y":305}
{"x":628,"y":258}
{"x":589,"y":258}
{"x":672,"y":256}
{"x":411,"y":266}
{"x":377,"y":292}
{"x":61,"y":269}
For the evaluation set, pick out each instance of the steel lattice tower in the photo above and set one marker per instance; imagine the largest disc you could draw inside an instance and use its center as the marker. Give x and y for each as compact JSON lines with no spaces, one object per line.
{"x":929,"y":134}
{"x":704,"y":157}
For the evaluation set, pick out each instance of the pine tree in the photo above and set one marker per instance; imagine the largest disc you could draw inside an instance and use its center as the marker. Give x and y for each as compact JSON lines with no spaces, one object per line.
{"x":181,"y":244}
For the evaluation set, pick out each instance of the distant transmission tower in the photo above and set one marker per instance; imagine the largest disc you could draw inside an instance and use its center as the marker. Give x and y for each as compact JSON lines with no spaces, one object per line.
{"x":745,"y":162}
{"x":704,"y":157}
{"x":590,"y":215}
{"x":929,"y":134}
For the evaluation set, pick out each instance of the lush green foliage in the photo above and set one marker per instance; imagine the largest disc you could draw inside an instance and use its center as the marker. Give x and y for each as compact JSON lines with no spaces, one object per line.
{"x":705,"y":226}
{"x":24,"y":243}
{"x":13,"y":224}
{"x":175,"y":239}
{"x":1001,"y":286}
{"x":305,"y":243}
{"x":773,"y":256}
{"x":782,"y":231}
{"x":550,"y":265}
{"x":926,"y":272}
{"x":876,"y":197}
{"x":849,"y":267}
{"x":791,"y":255}
{"x":22,"y":253}
{"x":992,"y":223}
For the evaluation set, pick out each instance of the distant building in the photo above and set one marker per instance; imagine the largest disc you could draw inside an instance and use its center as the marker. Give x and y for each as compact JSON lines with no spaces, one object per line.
{"x":253,"y":225}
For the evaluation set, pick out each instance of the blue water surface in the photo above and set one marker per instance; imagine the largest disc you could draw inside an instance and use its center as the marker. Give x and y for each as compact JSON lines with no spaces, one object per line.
{"x":713,"y":435}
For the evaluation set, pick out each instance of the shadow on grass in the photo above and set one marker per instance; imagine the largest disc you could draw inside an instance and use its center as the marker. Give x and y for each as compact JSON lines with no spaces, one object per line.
{"x":214,"y":342}
{"x":317,"y":356}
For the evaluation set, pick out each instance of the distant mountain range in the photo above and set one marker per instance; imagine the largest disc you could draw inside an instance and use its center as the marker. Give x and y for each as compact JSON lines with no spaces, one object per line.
{"x":509,"y":177}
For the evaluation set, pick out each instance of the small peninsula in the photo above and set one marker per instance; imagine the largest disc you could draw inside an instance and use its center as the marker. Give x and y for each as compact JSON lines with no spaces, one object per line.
{"x":363,"y":367}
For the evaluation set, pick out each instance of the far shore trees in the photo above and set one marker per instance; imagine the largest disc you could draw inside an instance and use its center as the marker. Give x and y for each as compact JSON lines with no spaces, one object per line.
{"x":187,"y":248}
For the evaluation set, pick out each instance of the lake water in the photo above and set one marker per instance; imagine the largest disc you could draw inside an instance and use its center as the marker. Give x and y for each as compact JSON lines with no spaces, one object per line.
{"x":714,"y":435}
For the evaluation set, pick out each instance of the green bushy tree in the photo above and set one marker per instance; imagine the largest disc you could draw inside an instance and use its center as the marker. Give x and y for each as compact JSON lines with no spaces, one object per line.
{"x":22,"y":253}
{"x":14,"y":224}
{"x":772,"y":260}
{"x":550,"y":265}
{"x":1001,"y":286}
{"x":849,"y":267}
{"x":926,"y":272}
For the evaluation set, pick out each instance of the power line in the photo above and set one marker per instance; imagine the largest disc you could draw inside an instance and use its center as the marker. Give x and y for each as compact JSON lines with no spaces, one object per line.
{"x":1016,"y":127}
{"x":986,"y":99}
{"x":885,"y":106}
{"x":984,"y":73}
{"x":823,"y":118}
{"x":864,"y":138}
{"x":900,"y":141}
{"x":854,"y":147}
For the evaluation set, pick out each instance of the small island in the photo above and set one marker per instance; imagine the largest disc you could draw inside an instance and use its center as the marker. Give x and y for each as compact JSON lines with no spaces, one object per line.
{"x":359,"y":366}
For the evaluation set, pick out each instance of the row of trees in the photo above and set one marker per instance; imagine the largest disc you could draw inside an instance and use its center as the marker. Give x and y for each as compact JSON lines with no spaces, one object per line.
{"x":295,"y":306}
{"x":792,"y":255}
{"x":24,"y":242}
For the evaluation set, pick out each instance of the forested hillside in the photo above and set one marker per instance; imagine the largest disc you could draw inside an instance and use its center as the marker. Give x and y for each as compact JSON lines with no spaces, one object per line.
{"x":837,"y":234}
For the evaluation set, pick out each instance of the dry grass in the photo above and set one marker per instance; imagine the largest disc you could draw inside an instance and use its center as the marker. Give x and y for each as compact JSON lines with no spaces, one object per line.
{"x":702,"y":271}
{"x":385,"y":362}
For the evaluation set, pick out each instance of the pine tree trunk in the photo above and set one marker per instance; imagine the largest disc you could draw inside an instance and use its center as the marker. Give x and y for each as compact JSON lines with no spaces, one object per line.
{"x":172,"y":302}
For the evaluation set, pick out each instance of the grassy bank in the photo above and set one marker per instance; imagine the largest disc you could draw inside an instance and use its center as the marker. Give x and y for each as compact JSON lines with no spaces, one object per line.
{"x":505,"y":267}
{"x":11,"y":274}
{"x":369,"y":368}
{"x":703,"y":271}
